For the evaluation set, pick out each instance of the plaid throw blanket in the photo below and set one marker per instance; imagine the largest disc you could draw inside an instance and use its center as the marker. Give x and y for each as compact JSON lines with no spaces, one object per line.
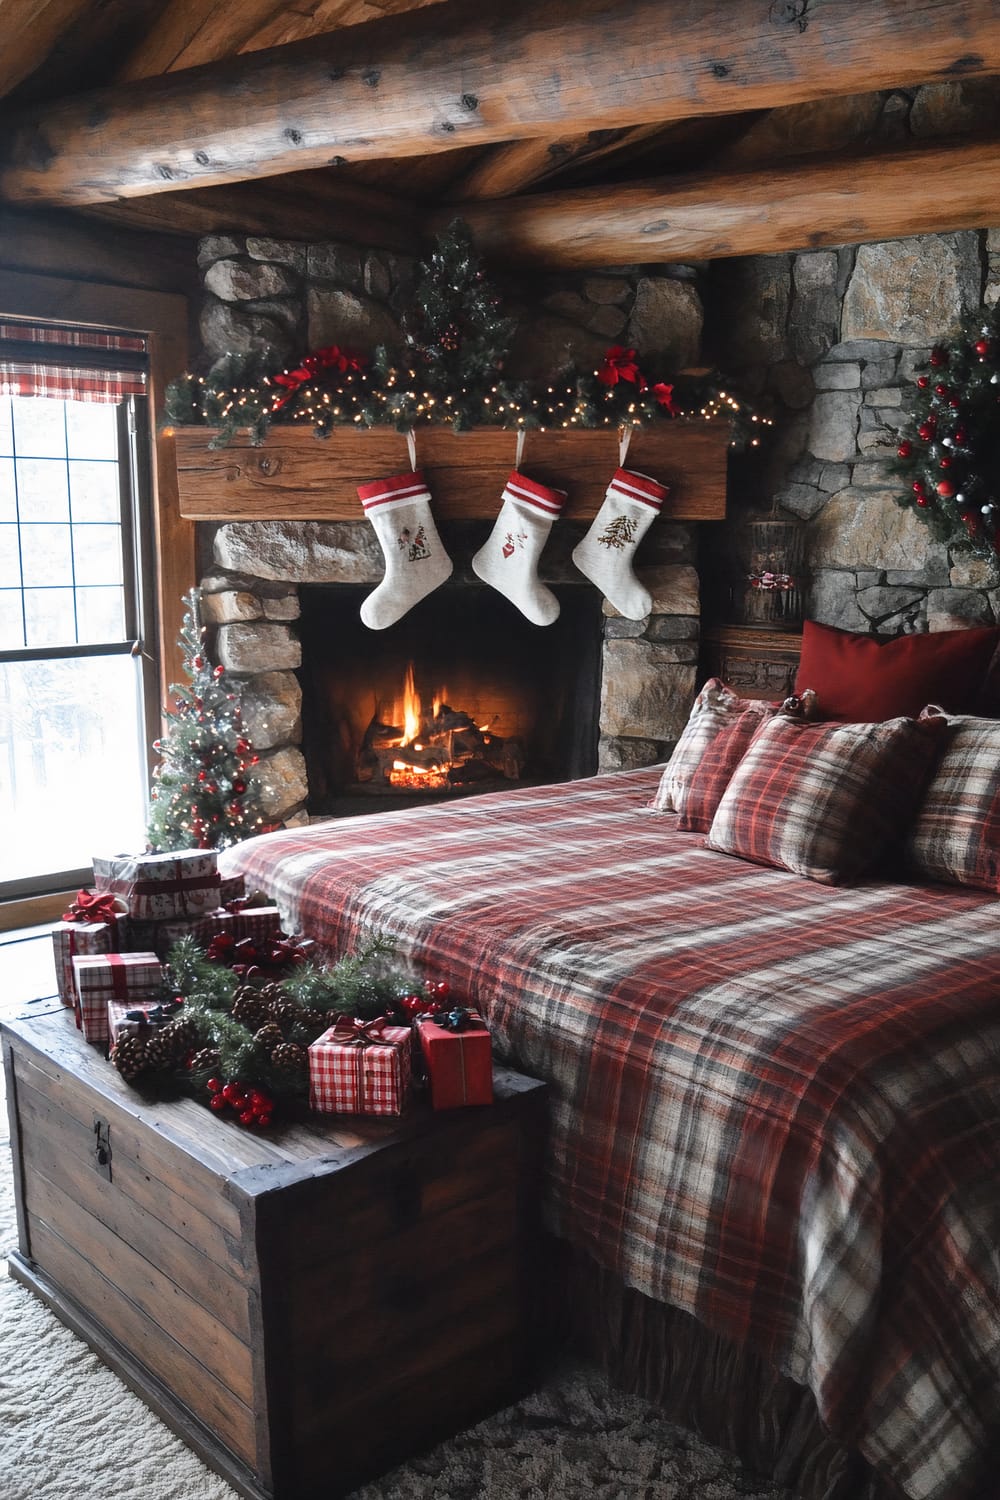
{"x":776,"y":1104}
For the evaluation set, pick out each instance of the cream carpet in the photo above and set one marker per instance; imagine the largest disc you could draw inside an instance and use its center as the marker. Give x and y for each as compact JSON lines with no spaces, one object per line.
{"x":69,"y":1430}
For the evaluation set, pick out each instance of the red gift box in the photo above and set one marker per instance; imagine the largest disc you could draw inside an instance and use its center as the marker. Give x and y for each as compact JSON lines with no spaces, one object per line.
{"x":361,"y":1068}
{"x":100,"y":977}
{"x":161,"y":936}
{"x":161,"y":887}
{"x":92,"y":924}
{"x":458,"y":1052}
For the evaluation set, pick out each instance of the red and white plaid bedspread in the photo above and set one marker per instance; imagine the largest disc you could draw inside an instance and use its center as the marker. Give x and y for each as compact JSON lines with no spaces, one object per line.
{"x":776,"y":1105}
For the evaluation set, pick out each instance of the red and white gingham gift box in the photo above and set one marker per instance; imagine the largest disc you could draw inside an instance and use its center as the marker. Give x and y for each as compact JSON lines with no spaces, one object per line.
{"x":100,"y":977}
{"x":256,"y":922}
{"x":361,"y":1068}
{"x":72,"y":938}
{"x":162,"y":887}
{"x":156,"y":1013}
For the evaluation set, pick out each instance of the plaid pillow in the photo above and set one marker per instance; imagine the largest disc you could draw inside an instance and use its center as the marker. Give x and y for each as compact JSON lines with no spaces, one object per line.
{"x":956,"y":835}
{"x":825,"y":800}
{"x":697,"y":801}
{"x":715,"y":708}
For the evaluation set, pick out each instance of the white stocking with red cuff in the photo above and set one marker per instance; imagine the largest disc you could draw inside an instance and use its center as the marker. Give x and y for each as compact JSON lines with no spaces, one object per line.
{"x":605,"y":555}
{"x":415,"y":561}
{"x":509,"y":559}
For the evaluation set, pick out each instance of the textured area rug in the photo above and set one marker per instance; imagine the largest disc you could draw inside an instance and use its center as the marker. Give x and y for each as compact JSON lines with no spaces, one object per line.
{"x":70,"y":1430}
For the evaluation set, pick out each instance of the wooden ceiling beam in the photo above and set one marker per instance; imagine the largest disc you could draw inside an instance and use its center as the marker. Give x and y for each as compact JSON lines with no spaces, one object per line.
{"x":456,"y":75}
{"x":30,"y":29}
{"x":825,"y":201}
{"x":520,"y":164}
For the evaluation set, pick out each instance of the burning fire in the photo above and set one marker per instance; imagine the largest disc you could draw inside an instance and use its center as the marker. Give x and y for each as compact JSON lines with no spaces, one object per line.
{"x":405,"y":772}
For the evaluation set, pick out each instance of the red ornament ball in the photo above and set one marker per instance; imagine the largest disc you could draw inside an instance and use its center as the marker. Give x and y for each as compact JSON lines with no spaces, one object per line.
{"x":946,"y":489}
{"x":926,"y":431}
{"x":214,"y":1085}
{"x":197,"y":662}
{"x":905,"y":449}
{"x":982,"y":346}
{"x":923,"y":381}
{"x":944,"y":463}
{"x":218,"y":671}
{"x":239,"y":787}
{"x":955,"y":404}
{"x":918,"y":487}
{"x":941,"y":390}
{"x":923,"y":501}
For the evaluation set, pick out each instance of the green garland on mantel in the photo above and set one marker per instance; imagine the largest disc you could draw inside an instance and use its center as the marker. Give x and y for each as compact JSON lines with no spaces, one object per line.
{"x":450,"y":372}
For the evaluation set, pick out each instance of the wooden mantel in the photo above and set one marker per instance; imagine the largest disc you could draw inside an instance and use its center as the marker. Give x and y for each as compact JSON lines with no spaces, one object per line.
{"x":297,"y":476}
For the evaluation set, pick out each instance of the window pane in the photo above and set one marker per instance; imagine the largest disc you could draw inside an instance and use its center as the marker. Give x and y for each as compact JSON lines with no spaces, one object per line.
{"x":94,"y":491}
{"x":100,"y":615}
{"x":39,"y":427}
{"x":10,"y":567}
{"x":45,"y":556}
{"x":6,"y":426}
{"x":97,"y":554}
{"x":71,"y":749}
{"x":8,"y":498}
{"x":91,"y":429}
{"x":49,"y":617}
{"x":11,"y":620}
{"x":42,"y":494}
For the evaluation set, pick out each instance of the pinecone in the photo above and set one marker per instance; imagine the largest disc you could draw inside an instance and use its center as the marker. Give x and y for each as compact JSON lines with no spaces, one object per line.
{"x":269,"y":1036}
{"x":159,"y":1053}
{"x":311,"y":1019}
{"x":271,"y":991}
{"x":206,"y":1061}
{"x":129,"y":1057}
{"x":290,"y":1058}
{"x":249,"y":1007}
{"x":283,"y":1012}
{"x":179,"y":1036}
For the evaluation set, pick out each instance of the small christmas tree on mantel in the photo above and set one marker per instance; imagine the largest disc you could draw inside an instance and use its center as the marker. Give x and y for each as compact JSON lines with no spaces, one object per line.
{"x":205,"y":792}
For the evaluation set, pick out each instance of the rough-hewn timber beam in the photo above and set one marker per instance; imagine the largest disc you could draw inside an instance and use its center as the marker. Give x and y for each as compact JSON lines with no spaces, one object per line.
{"x":30,"y":28}
{"x":453,"y":75}
{"x":510,"y":168}
{"x":830,"y":201}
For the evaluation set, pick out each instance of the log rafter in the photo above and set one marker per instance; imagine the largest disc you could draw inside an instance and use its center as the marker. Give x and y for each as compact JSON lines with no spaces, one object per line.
{"x":455,"y":75}
{"x":804,"y":205}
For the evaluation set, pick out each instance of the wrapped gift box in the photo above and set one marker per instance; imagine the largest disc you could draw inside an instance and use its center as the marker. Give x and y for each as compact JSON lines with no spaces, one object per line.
{"x":100,"y":977}
{"x":161,"y":936}
{"x":129,"y":1018}
{"x":458,"y":1054}
{"x":70,"y":937}
{"x":259,"y":923}
{"x":232,"y":888}
{"x":161,"y":887}
{"x":361,"y":1068}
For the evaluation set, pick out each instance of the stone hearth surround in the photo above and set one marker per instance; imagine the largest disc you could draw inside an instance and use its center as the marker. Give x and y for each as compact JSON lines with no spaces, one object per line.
{"x":251,"y":603}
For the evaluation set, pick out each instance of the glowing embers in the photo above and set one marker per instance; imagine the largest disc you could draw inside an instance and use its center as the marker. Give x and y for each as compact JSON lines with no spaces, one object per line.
{"x":409,"y":747}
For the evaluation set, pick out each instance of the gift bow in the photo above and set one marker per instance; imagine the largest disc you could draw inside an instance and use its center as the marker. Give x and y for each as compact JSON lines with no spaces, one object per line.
{"x":351,"y":1032}
{"x":91,"y":907}
{"x":330,"y":358}
{"x":459,"y":1019}
{"x":156,"y":1015}
{"x":620,"y":364}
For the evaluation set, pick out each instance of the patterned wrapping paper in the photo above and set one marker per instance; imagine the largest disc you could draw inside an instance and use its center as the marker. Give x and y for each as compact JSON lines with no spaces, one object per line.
{"x":459,"y":1063}
{"x":361,"y":1077}
{"x":231,"y":888}
{"x":100,"y":977}
{"x":255,"y":922}
{"x":123,"y":1019}
{"x":743,"y":1063}
{"x":72,"y":938}
{"x":161,"y":936}
{"x":160,"y":887}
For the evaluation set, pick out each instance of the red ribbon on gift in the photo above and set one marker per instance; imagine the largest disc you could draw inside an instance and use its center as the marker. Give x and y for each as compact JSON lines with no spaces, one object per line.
{"x":620,"y":364}
{"x":330,"y":358}
{"x":351,"y":1032}
{"x":91,"y":907}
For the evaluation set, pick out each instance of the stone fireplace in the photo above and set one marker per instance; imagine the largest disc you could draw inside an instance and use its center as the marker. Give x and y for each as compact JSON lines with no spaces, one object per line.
{"x":592,"y":692}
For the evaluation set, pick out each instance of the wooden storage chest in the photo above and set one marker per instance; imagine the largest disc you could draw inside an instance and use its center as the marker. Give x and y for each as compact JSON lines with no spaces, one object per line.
{"x":305,"y":1308}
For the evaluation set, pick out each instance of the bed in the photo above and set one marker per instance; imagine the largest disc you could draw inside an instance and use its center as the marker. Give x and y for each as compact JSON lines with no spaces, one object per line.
{"x":775,"y":1104}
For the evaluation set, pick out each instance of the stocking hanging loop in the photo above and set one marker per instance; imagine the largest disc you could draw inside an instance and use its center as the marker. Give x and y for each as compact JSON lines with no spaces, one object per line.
{"x":411,"y":448}
{"x":624,"y":438}
{"x":519,"y":450}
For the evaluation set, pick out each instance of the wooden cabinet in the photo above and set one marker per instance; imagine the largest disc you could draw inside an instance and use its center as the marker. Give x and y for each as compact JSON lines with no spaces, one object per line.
{"x":758,"y":663}
{"x":304,"y":1308}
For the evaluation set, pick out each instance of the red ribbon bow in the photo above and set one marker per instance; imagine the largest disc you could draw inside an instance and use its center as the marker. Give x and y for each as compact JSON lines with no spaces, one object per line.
{"x":665,"y":396}
{"x":350,"y":1032}
{"x":620,"y":364}
{"x":91,"y":907}
{"x":330,"y":358}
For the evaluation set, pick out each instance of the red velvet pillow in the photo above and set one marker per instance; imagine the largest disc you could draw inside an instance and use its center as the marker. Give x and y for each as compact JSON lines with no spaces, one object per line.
{"x":861,"y":678}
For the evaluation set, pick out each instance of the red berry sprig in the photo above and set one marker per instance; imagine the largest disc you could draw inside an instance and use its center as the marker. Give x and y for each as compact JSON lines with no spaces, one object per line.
{"x":252,"y":1106}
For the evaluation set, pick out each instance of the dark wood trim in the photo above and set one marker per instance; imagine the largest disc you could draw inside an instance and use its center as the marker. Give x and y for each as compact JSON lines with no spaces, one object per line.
{"x":474,"y":74}
{"x":17,"y":1155}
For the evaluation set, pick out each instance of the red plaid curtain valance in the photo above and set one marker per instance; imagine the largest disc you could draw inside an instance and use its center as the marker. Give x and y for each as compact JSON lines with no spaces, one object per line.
{"x":35,"y":360}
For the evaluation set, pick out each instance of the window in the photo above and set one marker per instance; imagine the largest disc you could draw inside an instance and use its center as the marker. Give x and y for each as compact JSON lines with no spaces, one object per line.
{"x":75,"y":686}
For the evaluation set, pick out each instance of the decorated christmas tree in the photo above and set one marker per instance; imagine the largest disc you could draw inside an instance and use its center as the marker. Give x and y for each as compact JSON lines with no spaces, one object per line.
{"x":205,"y":793}
{"x":949,"y":453}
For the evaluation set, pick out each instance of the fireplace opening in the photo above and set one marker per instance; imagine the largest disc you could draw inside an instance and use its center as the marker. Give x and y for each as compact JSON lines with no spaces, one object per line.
{"x":462,"y":695}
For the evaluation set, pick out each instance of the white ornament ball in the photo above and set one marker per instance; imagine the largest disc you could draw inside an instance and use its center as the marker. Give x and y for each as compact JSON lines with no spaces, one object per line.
{"x":987,"y":510}
{"x":995,"y":380}
{"x":947,"y":442}
{"x":959,"y":498}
